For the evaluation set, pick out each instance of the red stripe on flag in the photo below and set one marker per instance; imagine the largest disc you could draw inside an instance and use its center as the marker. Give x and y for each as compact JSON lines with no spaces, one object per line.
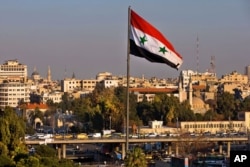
{"x":141,"y":24}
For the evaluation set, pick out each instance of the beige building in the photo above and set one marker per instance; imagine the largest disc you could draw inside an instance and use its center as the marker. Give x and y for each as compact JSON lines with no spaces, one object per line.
{"x":12,"y":93}
{"x":13,"y":70}
{"x":241,"y":125}
{"x":71,"y":84}
{"x":234,"y":77}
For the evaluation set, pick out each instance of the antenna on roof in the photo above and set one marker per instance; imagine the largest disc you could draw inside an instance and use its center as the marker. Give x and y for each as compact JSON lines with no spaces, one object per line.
{"x":212,"y":65}
{"x":65,"y":72}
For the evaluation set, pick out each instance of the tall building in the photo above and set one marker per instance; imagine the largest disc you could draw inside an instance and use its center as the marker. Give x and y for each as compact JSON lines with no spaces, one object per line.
{"x":13,"y":93}
{"x":13,"y":70}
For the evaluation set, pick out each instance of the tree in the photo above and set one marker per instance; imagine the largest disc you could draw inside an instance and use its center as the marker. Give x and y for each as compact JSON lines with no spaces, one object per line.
{"x":145,"y":111}
{"x":135,"y":158}
{"x":12,"y":129}
{"x":45,"y":151}
{"x":6,"y":161}
{"x":184,"y":112}
{"x":170,"y":115}
{"x":226,"y":105}
{"x":163,"y":104}
{"x":245,"y":105}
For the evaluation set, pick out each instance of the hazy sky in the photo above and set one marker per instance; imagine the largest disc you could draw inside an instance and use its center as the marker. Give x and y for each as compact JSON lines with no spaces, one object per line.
{"x":90,"y":36}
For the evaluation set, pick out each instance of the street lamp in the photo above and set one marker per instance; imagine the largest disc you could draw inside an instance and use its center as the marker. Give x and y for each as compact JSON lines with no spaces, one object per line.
{"x":110,"y":122}
{"x":177,"y":123}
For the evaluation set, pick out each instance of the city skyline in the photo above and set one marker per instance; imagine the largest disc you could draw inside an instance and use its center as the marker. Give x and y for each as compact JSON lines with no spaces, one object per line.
{"x":86,"y":38}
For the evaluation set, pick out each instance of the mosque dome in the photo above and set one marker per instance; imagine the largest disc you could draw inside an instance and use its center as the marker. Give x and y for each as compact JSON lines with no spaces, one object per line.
{"x":35,"y":73}
{"x":198,"y":102}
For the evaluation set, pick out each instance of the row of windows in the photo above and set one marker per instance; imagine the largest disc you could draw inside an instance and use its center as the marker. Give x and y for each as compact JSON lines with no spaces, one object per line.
{"x":93,"y":82}
{"x":89,"y":87}
{"x":12,"y":69}
{"x":213,"y":125}
{"x":6,"y":103}
{"x":85,"y":82}
{"x":6,"y":99}
{"x":15,"y":90}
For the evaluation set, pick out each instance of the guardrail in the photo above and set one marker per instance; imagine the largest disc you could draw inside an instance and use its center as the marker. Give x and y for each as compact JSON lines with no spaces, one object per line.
{"x":139,"y":140}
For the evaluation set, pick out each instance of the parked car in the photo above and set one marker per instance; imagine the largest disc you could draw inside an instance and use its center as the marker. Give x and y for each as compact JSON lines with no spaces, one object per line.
{"x":152,"y":135}
{"x":82,"y":136}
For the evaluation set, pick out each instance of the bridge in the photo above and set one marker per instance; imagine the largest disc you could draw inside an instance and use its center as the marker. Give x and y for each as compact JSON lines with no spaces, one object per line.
{"x":61,"y":143}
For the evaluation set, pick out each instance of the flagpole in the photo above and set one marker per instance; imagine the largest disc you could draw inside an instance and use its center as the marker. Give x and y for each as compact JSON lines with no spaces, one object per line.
{"x":128,"y":78}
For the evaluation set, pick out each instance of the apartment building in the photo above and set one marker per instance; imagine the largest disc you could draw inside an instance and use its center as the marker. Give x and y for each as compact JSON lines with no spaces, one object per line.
{"x":12,"y":93}
{"x":197,"y":78}
{"x":234,"y":77}
{"x":71,"y":84}
{"x":13,"y":70}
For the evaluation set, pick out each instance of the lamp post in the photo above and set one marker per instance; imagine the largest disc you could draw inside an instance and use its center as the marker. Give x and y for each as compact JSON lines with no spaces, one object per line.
{"x":110,"y":122}
{"x":177,"y":123}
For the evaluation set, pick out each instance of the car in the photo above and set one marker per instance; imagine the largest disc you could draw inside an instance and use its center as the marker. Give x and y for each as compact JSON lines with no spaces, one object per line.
{"x":27,"y":137}
{"x":58,"y":136}
{"x":152,"y":135}
{"x":46,"y":136}
{"x":162,"y":135}
{"x":135,"y":136}
{"x":82,"y":136}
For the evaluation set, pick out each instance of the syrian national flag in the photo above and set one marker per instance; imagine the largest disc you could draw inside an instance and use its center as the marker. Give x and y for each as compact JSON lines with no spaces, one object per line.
{"x":147,"y":42}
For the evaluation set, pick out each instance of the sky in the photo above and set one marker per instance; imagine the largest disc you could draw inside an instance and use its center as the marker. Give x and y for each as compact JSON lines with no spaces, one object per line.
{"x":86,"y":37}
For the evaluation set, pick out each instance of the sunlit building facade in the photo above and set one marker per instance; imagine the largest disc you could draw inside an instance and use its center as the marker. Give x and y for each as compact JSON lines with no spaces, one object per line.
{"x":12,"y":93}
{"x":13,"y":70}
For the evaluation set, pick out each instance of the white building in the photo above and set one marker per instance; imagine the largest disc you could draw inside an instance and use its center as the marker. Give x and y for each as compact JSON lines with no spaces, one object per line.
{"x":108,"y":83}
{"x":103,"y":75}
{"x":71,"y":84}
{"x":89,"y":84}
{"x":185,"y":76}
{"x":56,"y":97}
{"x":13,"y":70}
{"x":12,"y":93}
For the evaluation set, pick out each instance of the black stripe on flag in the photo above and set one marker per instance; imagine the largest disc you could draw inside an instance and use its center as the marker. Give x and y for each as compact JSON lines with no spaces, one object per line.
{"x":143,"y":53}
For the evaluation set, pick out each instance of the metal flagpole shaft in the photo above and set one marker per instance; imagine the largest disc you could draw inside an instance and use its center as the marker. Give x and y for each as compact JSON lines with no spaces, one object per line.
{"x":128,"y":78}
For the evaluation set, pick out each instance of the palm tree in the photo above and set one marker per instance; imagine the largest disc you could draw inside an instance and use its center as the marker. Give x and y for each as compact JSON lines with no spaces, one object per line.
{"x":135,"y":158}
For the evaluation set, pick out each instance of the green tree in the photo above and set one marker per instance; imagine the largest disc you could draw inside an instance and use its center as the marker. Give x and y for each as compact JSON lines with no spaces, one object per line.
{"x":29,"y":161}
{"x":163,"y":104}
{"x":170,"y":115}
{"x":145,"y":111}
{"x":11,"y":131}
{"x":45,"y":151}
{"x":6,"y":161}
{"x":226,"y":105}
{"x":135,"y":158}
{"x":184,"y":112}
{"x":245,"y":105}
{"x":3,"y":149}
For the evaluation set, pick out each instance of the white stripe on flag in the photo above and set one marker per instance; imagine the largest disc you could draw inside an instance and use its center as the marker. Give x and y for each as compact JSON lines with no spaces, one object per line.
{"x":153,"y":45}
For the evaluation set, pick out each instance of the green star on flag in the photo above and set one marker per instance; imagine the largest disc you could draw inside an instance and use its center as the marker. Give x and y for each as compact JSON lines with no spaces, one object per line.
{"x":147,"y":42}
{"x":163,"y":50}
{"x":143,"y":39}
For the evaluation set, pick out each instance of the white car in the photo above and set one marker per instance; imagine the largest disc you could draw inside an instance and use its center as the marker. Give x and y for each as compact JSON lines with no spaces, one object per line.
{"x":152,"y":135}
{"x":45,"y":136}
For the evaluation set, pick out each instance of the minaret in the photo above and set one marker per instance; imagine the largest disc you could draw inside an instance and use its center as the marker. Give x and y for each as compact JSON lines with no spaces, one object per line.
{"x":49,"y":74}
{"x":190,"y":91}
{"x":34,"y":69}
{"x":180,"y":90}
